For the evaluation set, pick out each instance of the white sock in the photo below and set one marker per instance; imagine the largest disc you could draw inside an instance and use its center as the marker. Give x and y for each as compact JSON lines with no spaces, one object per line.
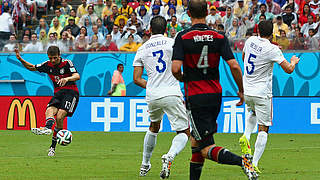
{"x":251,"y":123}
{"x":259,"y":146}
{"x":150,"y":140}
{"x":178,"y":143}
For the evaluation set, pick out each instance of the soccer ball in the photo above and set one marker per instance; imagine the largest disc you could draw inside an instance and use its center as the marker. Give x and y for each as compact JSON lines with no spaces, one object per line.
{"x":64,"y":137}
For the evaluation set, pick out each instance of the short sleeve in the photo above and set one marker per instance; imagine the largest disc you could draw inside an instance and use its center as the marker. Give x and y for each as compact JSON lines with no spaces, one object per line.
{"x":41,"y":67}
{"x":225,"y":50}
{"x":178,"y":53}
{"x":138,"y":58}
{"x":277,"y":55}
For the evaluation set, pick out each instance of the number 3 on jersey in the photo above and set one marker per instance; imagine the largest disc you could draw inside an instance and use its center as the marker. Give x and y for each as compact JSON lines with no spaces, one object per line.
{"x":160,"y":60}
{"x":252,"y":64}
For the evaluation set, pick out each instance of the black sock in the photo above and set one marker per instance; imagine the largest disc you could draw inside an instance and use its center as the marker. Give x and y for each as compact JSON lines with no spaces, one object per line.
{"x":227,"y":157}
{"x":54,"y":137}
{"x":50,"y":122}
{"x":195,"y":171}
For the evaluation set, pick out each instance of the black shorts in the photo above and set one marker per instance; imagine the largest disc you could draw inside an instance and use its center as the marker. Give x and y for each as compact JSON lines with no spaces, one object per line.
{"x":65,"y":99}
{"x":203,"y":117}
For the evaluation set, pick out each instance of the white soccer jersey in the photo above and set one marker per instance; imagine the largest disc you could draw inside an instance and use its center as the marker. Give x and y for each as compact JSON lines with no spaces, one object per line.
{"x":155,"y":55}
{"x":260,"y":55}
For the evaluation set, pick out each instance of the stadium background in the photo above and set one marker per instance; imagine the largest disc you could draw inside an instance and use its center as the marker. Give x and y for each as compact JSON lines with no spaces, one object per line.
{"x":296,"y":102}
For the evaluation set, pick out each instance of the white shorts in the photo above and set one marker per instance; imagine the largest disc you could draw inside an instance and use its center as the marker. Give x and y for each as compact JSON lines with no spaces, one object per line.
{"x":175,"y":109}
{"x":261,"y":108}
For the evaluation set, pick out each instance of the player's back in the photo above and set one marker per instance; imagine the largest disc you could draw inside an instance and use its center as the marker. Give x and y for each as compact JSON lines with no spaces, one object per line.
{"x":156,"y":54}
{"x":260,"y":55}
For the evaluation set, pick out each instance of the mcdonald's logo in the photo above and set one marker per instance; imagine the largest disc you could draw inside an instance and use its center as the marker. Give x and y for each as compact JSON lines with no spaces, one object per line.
{"x":22,"y":113}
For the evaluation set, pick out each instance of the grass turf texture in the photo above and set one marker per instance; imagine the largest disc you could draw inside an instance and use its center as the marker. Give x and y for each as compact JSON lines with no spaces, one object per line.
{"x":117,"y":156}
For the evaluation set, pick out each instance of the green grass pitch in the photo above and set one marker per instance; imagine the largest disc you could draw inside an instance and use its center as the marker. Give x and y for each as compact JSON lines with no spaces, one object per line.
{"x":117,"y":156}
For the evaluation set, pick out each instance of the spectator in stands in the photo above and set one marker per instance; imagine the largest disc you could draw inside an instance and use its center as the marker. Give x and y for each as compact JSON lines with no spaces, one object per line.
{"x":283,"y":41}
{"x":121,"y":21}
{"x":125,"y":9}
{"x":142,"y":4}
{"x":281,"y":3}
{"x":145,"y":36}
{"x":81,"y":43}
{"x":43,"y":38}
{"x":65,"y":43}
{"x":96,"y":32}
{"x":134,"y":20}
{"x":102,"y":29}
{"x":131,"y":46}
{"x":34,"y":45}
{"x":52,"y":41}
{"x":72,"y":25}
{"x":144,"y":16}
{"x":98,"y":8}
{"x":213,"y":16}
{"x":82,"y":9}
{"x":65,"y":8}
{"x":312,"y":40}
{"x":73,"y":15}
{"x":109,"y":45}
{"x":155,"y":11}
{"x":11,"y":44}
{"x":32,"y":7}
{"x":20,"y":10}
{"x":6,"y":27}
{"x":172,"y":33}
{"x":27,"y":32}
{"x":157,"y":4}
{"x":171,"y":12}
{"x":115,"y":33}
{"x":173,"y":25}
{"x":108,"y":9}
{"x":60,"y":17}
{"x":298,"y":40}
{"x":134,"y":4}
{"x":6,"y":4}
{"x":279,"y":25}
{"x":310,"y":25}
{"x":273,"y":7}
{"x":88,"y":25}
{"x":221,"y":28}
{"x":42,"y":25}
{"x":56,"y":27}
{"x":227,"y":19}
{"x":83,"y":30}
{"x":253,"y":8}
{"x":52,"y":4}
{"x":109,"y":20}
{"x":93,"y":17}
{"x":240,"y":10}
{"x":244,"y":25}
{"x":303,"y":17}
{"x":289,"y":16}
{"x":94,"y":44}
{"x":315,"y":6}
{"x":233,"y":32}
{"x":25,"y":41}
{"x":183,"y":8}
{"x":263,"y":10}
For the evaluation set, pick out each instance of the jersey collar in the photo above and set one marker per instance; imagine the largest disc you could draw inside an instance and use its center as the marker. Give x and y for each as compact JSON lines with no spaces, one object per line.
{"x":204,"y":26}
{"x":156,"y":36}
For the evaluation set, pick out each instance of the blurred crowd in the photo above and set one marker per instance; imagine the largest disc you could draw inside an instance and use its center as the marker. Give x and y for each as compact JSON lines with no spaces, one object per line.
{"x":123,"y":25}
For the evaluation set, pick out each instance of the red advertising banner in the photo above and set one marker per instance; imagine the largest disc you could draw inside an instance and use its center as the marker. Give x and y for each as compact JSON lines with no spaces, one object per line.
{"x":23,"y":113}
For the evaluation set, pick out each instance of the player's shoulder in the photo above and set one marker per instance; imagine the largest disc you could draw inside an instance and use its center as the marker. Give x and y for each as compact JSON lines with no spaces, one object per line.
{"x":67,"y":61}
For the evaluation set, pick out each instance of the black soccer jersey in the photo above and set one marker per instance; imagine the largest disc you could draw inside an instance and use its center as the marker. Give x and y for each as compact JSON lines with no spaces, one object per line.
{"x":200,"y":49}
{"x":59,"y":71}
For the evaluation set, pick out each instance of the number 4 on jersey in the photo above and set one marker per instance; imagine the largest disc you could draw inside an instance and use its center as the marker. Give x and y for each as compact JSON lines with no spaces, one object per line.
{"x":203,"y":60}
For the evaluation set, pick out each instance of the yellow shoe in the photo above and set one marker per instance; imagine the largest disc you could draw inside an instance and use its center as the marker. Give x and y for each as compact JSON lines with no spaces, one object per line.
{"x":256,"y":169}
{"x":245,"y":145}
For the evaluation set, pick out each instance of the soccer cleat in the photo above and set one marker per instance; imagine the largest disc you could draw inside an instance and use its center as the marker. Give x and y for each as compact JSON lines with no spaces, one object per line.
{"x":247,"y":167}
{"x":144,"y":169}
{"x":245,"y":145}
{"x":51,"y":152}
{"x":166,"y":165}
{"x":256,"y":169}
{"x":41,"y":131}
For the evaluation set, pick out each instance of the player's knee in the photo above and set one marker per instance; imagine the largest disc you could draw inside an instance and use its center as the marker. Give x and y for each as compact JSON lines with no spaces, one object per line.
{"x":186,"y":131}
{"x":196,"y":156}
{"x":205,"y":145}
{"x":154,"y":127}
{"x":263,"y":128}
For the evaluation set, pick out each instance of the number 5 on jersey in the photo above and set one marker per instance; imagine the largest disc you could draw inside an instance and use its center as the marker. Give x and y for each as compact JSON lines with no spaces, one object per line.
{"x":251,"y":56}
{"x":160,"y":61}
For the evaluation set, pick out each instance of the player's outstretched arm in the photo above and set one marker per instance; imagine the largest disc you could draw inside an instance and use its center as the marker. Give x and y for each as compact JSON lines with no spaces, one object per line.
{"x":137,"y":76}
{"x":289,"y":67}
{"x":237,"y":76}
{"x":176,"y":70}
{"x":74,"y":77}
{"x":26,"y":64}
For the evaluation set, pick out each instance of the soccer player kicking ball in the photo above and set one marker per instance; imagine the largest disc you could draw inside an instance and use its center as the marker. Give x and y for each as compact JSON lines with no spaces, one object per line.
{"x":198,"y":50}
{"x":66,"y":95}
{"x":163,"y":95}
{"x":259,"y":55}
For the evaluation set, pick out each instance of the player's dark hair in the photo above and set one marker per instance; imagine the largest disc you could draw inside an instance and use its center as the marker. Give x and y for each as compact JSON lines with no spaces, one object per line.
{"x":119,"y":65}
{"x":262,"y":5}
{"x":198,"y":8}
{"x":265,"y":28}
{"x":158,"y":25}
{"x":53,"y":51}
{"x":6,"y":9}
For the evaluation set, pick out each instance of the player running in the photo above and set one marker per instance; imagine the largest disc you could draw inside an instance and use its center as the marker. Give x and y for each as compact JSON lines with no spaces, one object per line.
{"x":66,"y":95}
{"x":163,"y":95}
{"x":259,"y":55}
{"x":199,"y":50}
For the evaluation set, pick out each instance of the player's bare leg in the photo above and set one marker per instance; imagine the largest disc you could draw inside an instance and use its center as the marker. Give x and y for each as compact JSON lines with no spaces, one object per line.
{"x":178,"y":144}
{"x":51,"y":111}
{"x":244,"y":140}
{"x":260,"y":144}
{"x":150,"y":140}
{"x":60,"y":117}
